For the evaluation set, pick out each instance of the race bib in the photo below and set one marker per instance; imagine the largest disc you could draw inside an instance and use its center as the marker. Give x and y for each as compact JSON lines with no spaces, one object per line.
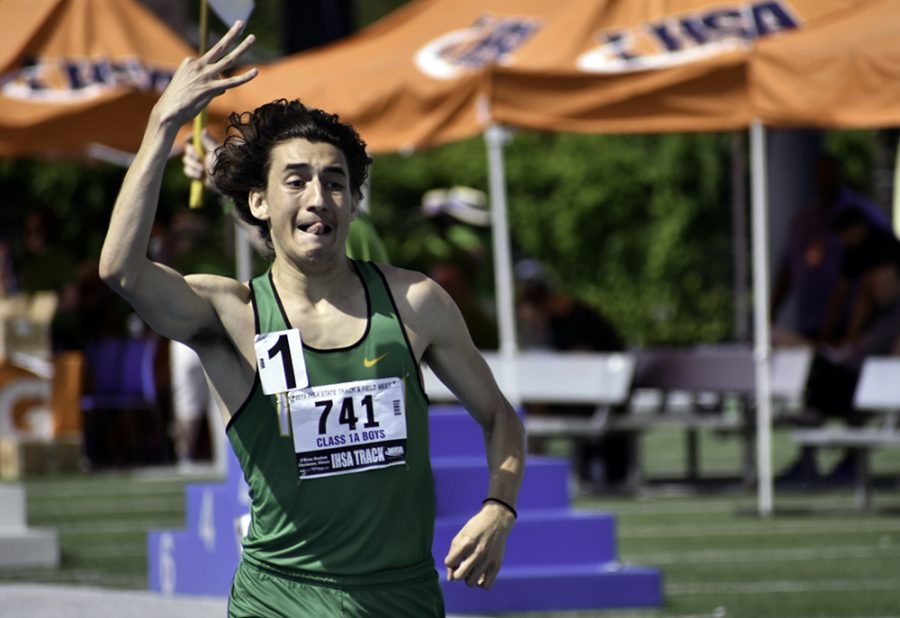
{"x":349,"y":427}
{"x":279,"y":358}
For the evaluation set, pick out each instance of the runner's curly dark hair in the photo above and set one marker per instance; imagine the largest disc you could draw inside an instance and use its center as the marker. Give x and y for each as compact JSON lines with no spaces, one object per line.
{"x":242,"y":162}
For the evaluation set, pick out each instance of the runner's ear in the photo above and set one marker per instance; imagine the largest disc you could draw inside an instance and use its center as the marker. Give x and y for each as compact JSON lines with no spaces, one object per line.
{"x":259,"y":207}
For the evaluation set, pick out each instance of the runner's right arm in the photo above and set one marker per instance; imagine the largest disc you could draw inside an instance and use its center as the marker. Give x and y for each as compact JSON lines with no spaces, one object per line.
{"x":175,"y":307}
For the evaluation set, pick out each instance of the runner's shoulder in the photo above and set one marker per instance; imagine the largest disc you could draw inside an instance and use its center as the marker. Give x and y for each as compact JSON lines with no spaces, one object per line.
{"x":217,"y":288}
{"x":424,"y":305}
{"x":230,"y":302}
{"x":412,"y":288}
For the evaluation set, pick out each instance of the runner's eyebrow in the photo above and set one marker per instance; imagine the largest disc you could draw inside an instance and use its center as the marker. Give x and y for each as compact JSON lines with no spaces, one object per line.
{"x":302,"y":167}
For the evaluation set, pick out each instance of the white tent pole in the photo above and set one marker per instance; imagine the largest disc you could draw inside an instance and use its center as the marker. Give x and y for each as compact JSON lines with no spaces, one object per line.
{"x":762,"y":348}
{"x":495,"y":137}
{"x":739,"y":237}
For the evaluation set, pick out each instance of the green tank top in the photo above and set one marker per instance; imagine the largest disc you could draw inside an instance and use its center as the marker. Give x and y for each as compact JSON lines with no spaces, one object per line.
{"x":351,"y":524}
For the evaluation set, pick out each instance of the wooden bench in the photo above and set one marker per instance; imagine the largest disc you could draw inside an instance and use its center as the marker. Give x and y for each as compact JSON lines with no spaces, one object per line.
{"x":878,"y":391}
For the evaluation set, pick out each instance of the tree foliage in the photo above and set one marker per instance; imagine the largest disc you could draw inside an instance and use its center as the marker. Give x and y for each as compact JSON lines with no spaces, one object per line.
{"x":80,"y":195}
{"x":637,"y":226}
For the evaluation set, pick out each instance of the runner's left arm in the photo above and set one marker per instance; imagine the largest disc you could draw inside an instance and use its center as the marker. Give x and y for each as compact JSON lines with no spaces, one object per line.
{"x":477,"y":551}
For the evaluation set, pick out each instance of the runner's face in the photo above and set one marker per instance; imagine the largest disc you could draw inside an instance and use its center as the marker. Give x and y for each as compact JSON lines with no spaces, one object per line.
{"x":307,"y":200}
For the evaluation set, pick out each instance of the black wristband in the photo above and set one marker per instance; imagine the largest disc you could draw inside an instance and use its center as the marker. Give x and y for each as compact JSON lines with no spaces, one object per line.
{"x":508,"y":506}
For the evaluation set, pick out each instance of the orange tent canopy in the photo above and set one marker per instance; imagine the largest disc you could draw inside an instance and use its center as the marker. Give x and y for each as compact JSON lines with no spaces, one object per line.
{"x":80,"y":72}
{"x":413,"y":79}
{"x":648,"y":65}
{"x":75,"y":73}
{"x":843,"y":73}
{"x":440,"y":70}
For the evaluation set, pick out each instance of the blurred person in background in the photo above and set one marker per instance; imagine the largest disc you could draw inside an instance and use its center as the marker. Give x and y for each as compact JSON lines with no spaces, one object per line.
{"x":459,"y":219}
{"x":9,"y":282}
{"x":363,"y":241}
{"x":551,"y":320}
{"x":810,"y":265}
{"x":556,"y":321}
{"x":458,"y":285}
{"x":870,"y":266}
{"x":44,"y":265}
{"x":456,"y":254}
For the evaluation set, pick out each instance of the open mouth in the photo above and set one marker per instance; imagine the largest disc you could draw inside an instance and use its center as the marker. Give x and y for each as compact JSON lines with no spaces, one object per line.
{"x":316,"y":228}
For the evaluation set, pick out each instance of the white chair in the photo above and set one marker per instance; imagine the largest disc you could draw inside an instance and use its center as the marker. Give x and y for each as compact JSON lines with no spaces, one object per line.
{"x":878,"y":391}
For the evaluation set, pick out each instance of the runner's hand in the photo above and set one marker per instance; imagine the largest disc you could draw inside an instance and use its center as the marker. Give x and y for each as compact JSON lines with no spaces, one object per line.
{"x":476,"y":552}
{"x":199,"y":80}
{"x":193,"y":167}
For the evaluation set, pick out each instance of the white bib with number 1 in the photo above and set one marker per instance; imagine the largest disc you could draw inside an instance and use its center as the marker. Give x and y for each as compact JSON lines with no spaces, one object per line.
{"x":279,"y":358}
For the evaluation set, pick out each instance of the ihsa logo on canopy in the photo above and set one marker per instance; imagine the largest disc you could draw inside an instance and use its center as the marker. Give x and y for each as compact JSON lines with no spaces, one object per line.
{"x":688,"y":37}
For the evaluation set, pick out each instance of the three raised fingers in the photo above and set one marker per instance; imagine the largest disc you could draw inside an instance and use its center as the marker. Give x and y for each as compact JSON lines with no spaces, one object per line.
{"x":215,"y":53}
{"x":228,"y":60}
{"x":236,"y":80}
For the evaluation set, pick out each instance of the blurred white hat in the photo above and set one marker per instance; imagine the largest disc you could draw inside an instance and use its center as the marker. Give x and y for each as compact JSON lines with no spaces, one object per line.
{"x":464,"y":204}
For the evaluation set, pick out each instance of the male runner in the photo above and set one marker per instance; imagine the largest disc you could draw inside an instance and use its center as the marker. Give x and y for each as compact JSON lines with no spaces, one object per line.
{"x":316,"y":365}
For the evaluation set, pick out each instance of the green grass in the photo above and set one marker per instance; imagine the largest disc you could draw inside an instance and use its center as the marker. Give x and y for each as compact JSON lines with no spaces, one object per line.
{"x":827,"y":564}
{"x":815,"y":558}
{"x":102,"y":520}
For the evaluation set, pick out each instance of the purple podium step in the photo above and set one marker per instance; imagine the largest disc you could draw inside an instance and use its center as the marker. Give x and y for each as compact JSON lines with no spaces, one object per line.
{"x":213,"y":506}
{"x":534,"y":589}
{"x":201,"y":558}
{"x":460,"y":484}
{"x":545,"y":538}
{"x":454,"y":433}
{"x":180,"y":563}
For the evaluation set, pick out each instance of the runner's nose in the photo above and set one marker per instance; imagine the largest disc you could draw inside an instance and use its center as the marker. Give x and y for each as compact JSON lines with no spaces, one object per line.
{"x":315,"y":193}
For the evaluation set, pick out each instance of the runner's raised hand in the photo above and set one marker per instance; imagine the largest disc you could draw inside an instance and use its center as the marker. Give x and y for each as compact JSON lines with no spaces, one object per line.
{"x":199,"y":80}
